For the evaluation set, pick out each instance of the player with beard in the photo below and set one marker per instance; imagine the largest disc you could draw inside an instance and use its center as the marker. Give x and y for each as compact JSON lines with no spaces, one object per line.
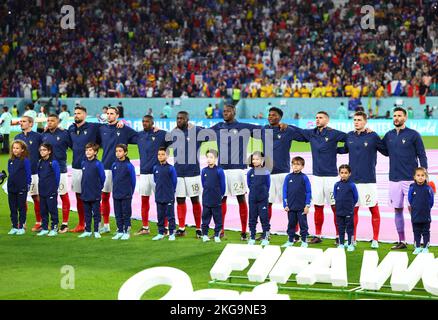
{"x":60,"y":142}
{"x":33,"y":141}
{"x":405,"y":149}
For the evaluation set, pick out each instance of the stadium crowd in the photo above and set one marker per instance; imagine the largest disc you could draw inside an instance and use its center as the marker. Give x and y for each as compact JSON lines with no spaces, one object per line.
{"x":216,"y":48}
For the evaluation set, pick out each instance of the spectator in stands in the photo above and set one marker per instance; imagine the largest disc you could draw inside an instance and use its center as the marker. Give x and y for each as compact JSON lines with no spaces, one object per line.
{"x":205,"y":49}
{"x":5,"y":128}
{"x":428,"y":112}
{"x":217,"y":113}
{"x":209,"y":111}
{"x":14,"y":112}
{"x":167,"y":111}
{"x":410,"y":112}
{"x":103,"y":118}
{"x":41,"y":119}
{"x":342,"y":112}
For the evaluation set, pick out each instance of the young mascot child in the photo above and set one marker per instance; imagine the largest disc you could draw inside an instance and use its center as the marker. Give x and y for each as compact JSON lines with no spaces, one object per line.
{"x":49,"y":175}
{"x":165,"y":186}
{"x":93,"y":179}
{"x":346,"y":196}
{"x":259,"y":182}
{"x":297,"y":194}
{"x":20,"y":177}
{"x":124,"y":179}
{"x":420,"y":197}
{"x":213,"y":185}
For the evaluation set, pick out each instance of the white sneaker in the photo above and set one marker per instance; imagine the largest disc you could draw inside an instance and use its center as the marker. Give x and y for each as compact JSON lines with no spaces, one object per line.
{"x":52,"y":233}
{"x":21,"y":232}
{"x":125,"y":236}
{"x":375,"y":244}
{"x":172,"y":237}
{"x":217,"y":239}
{"x":97,"y":235}
{"x":13,"y":231}
{"x":355,"y":243}
{"x":158,"y":237}
{"x":43,"y":233}
{"x":205,"y":239}
{"x":265,"y":242}
{"x":251,"y":242}
{"x":105,"y":229}
{"x":288,"y":244}
{"x":304,"y":245}
{"x":118,"y":236}
{"x":85,"y":234}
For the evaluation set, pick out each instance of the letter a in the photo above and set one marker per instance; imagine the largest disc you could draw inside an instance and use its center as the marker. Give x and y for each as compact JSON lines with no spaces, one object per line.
{"x":68,"y":21}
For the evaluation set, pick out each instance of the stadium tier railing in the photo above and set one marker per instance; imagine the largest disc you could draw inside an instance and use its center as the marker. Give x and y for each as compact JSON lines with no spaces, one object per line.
{"x":246,"y":108}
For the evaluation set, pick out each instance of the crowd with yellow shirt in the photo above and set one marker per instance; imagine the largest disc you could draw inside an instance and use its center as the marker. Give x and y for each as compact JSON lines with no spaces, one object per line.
{"x":267,"y":89}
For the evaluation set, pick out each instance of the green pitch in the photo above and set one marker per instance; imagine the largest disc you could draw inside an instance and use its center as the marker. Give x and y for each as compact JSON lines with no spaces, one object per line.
{"x":31,"y":267}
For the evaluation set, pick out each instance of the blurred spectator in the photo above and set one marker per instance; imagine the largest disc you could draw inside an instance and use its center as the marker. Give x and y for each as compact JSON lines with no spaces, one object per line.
{"x":103,"y":118}
{"x":410,"y":113}
{"x":14,"y":112}
{"x":64,"y":117}
{"x":217,"y":113}
{"x":209,"y":111}
{"x":428,"y":111}
{"x":167,"y":111}
{"x":342,"y":112}
{"x":5,"y":128}
{"x":29,"y":111}
{"x":121,"y":110}
{"x":258,"y":116}
{"x":236,"y":94}
{"x":41,"y":119}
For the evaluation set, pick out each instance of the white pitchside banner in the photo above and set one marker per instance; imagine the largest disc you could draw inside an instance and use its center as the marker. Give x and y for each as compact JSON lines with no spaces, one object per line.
{"x":310,"y":265}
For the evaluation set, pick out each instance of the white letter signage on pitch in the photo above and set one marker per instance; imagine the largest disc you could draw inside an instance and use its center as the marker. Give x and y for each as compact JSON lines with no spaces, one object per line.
{"x":181,"y":288}
{"x":310,"y":265}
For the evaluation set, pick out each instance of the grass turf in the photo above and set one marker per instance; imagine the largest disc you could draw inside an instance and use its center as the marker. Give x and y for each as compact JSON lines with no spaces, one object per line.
{"x":31,"y":267}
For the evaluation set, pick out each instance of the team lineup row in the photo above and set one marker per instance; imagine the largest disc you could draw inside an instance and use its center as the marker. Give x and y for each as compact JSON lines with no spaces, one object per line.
{"x":403,"y":146}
